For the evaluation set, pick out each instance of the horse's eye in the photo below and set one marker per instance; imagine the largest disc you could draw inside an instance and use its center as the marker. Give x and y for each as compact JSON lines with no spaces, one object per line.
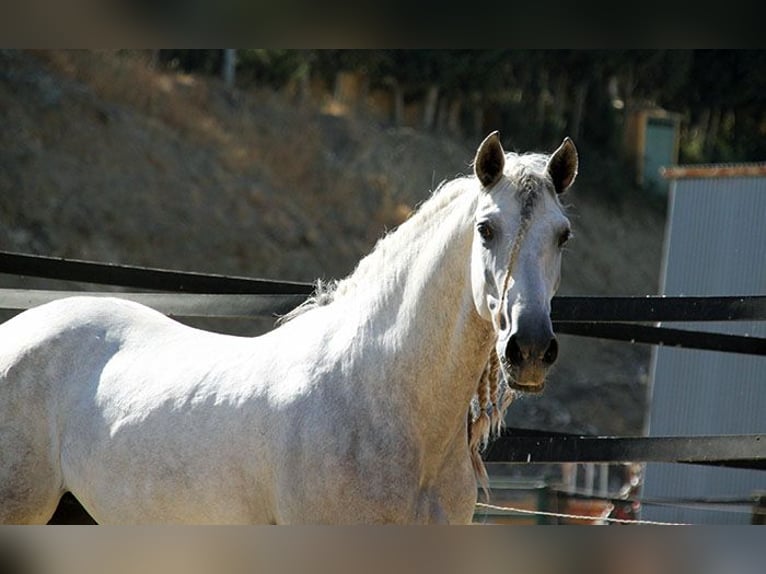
{"x":485,"y":231}
{"x":564,"y":236}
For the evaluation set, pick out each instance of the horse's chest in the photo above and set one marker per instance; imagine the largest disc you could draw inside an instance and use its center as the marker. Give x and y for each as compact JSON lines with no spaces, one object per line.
{"x":385,"y":489}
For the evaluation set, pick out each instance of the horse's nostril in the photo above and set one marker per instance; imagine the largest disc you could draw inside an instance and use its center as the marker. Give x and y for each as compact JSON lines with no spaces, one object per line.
{"x":518,"y":351}
{"x":513,"y":352}
{"x":551,"y":353}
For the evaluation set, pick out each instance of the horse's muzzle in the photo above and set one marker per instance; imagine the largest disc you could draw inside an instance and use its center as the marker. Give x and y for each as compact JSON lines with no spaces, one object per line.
{"x":525,"y":359}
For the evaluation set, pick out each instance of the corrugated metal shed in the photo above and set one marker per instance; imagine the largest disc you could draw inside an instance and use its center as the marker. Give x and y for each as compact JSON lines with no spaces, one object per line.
{"x":715,"y":244}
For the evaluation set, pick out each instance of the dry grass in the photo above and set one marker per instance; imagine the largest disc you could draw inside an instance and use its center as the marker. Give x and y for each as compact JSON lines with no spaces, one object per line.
{"x":127,"y":78}
{"x":285,"y":147}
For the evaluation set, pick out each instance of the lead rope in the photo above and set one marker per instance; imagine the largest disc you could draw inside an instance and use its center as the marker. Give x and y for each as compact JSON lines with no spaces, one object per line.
{"x":492,"y":398}
{"x":487,"y":415}
{"x":515,"y":510}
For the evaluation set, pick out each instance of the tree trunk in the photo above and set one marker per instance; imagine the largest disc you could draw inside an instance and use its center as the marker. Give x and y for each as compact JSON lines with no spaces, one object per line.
{"x":229,"y":67}
{"x":542,"y":96}
{"x":364,"y":93}
{"x":429,"y":109}
{"x":154,"y":59}
{"x":626,"y":87}
{"x":559,"y":101}
{"x":453,"y":116}
{"x":578,"y":109}
{"x":702,"y":126}
{"x":478,"y":116}
{"x":304,"y":86}
{"x":398,"y":103}
{"x":337,"y":89}
{"x":712,"y":132}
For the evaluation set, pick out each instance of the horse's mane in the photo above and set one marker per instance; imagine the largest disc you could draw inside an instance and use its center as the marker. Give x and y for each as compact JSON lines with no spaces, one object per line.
{"x":393,"y":242}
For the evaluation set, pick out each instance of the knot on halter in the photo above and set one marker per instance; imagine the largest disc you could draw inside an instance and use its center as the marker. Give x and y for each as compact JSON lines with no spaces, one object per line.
{"x":492,"y":398}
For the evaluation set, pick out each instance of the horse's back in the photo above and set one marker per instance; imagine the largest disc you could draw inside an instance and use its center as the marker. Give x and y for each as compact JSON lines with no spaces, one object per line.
{"x":70,"y":318}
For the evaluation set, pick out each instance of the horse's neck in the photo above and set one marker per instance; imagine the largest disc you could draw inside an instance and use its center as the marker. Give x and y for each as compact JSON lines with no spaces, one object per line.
{"x":416,"y":304}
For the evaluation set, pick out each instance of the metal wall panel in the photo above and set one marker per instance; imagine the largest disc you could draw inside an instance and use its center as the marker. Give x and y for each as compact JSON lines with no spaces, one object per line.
{"x":715,"y":244}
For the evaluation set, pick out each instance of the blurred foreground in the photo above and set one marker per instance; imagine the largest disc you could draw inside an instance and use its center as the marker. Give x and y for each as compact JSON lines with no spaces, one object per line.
{"x":188,"y":550}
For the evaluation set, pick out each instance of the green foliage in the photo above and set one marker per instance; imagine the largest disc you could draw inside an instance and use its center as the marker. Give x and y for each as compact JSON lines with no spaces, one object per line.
{"x":273,"y":68}
{"x":197,"y":61}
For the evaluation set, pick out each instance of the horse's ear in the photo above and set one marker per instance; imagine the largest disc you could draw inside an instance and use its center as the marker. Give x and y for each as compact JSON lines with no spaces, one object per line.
{"x":490,"y":160}
{"x":562,"y":165}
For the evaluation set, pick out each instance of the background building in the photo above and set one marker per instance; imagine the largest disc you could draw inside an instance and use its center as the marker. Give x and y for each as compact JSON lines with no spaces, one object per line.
{"x":715,"y":245}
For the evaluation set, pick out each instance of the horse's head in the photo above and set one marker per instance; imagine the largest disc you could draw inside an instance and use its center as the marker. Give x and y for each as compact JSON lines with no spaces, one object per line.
{"x":520,"y":230}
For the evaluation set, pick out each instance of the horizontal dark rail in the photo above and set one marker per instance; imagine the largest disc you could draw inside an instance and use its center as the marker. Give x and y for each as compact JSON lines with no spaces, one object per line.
{"x":251,"y":306}
{"x":741,"y":451}
{"x":564,"y":309}
{"x":665,"y":336}
{"x":172,"y":304}
{"x":600,"y":317}
{"x":657,"y":308}
{"x":143,"y":277}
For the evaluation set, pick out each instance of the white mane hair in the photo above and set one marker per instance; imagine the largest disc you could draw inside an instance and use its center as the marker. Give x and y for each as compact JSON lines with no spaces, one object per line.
{"x":389,"y":246}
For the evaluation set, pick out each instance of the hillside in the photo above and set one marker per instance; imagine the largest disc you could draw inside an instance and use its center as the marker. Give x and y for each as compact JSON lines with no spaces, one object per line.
{"x":103,"y":158}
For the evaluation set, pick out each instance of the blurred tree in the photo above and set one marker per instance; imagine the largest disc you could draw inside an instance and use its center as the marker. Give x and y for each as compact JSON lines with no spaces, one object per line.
{"x":192,"y":61}
{"x":535,"y":95}
{"x":273,"y":68}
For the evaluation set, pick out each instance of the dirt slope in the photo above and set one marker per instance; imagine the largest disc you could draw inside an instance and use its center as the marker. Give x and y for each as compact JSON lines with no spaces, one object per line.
{"x":103,"y":158}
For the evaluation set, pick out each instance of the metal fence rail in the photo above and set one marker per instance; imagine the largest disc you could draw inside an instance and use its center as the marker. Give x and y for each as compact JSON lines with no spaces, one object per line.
{"x":658,"y":308}
{"x":143,"y":277}
{"x":218,"y":305}
{"x":599,"y":317}
{"x":529,"y":446}
{"x":682,"y":338}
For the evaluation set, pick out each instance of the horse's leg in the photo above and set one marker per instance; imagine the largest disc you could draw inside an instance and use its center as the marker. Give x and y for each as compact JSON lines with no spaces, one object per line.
{"x":455,"y":493}
{"x":30,"y":487}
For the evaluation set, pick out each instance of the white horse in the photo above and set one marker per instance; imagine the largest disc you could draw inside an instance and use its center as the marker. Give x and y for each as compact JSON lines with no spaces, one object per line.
{"x":356,"y":409}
